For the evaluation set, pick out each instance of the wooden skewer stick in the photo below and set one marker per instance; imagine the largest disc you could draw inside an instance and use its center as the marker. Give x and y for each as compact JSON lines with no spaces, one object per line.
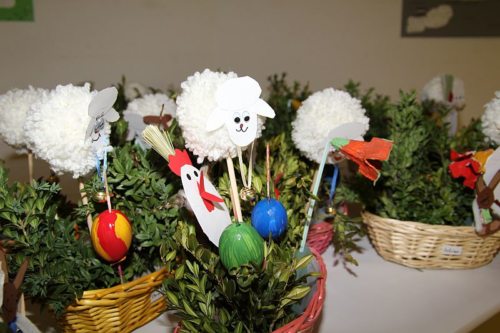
{"x":85,"y":201}
{"x":30,"y":166}
{"x":235,"y":199}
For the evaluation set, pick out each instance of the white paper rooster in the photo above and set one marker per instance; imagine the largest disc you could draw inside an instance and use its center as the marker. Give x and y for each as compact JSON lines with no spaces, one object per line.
{"x":207,"y":205}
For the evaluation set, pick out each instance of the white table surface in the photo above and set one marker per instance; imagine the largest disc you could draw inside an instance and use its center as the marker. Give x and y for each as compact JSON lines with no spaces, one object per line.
{"x":386,"y":297}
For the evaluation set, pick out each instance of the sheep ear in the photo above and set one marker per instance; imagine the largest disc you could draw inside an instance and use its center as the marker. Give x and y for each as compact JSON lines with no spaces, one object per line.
{"x":263,"y":109}
{"x":216,"y":120}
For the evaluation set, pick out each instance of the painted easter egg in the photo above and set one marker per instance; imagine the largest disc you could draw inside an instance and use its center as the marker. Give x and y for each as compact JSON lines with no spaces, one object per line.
{"x":240,"y":244}
{"x":111,"y":235}
{"x":269,"y":217}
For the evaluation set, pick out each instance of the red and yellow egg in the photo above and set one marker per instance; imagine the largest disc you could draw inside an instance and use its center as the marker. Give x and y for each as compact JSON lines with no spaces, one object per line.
{"x":111,"y":235}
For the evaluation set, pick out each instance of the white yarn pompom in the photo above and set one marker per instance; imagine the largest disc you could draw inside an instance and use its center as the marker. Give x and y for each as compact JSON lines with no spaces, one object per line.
{"x":491,"y":119}
{"x":55,"y":129}
{"x":148,"y":105}
{"x":134,"y":90}
{"x":195,"y":105}
{"x":14,"y":106}
{"x":319,"y":114}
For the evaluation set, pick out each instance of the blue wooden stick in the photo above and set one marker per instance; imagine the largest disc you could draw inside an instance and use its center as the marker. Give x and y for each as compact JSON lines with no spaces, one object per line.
{"x":312,"y":201}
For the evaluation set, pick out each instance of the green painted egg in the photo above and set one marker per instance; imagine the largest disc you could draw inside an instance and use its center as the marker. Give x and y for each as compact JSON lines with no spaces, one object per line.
{"x":240,"y":244}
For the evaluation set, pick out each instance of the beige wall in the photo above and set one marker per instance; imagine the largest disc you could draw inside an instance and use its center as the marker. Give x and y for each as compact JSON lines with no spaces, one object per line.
{"x":160,"y":43}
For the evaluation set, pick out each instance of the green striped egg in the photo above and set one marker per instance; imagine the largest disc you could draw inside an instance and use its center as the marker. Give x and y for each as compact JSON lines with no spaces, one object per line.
{"x":240,"y":244}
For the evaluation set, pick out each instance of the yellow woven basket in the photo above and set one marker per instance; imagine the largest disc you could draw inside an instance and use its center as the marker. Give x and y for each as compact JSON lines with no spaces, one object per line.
{"x":122,"y":308}
{"x":421,"y":245}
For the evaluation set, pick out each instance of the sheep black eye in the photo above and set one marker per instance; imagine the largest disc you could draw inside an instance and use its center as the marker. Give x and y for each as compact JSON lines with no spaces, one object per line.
{"x":195,"y":173}
{"x":247,"y":118}
{"x":237,"y":120}
{"x":188,"y":176}
{"x":99,"y":125}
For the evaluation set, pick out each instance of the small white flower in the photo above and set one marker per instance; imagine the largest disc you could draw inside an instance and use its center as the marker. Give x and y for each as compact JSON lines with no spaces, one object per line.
{"x":320,"y":113}
{"x":195,"y":105}
{"x":134,"y":90}
{"x":55,"y":129}
{"x":148,"y":105}
{"x":491,"y":119}
{"x":14,"y":105}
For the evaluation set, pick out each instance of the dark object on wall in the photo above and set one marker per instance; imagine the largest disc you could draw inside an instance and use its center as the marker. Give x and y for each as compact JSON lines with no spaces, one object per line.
{"x":16,"y":10}
{"x":450,"y":18}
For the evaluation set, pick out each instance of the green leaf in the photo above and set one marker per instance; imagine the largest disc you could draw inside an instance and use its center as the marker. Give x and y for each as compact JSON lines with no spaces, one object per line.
{"x":39,"y":203}
{"x":203,"y":308}
{"x":193,"y":288}
{"x":208,"y":328}
{"x":179,"y":273}
{"x":171,"y":255}
{"x":303,"y":262}
{"x":189,"y":326}
{"x":188,"y":309}
{"x":257,"y":184}
{"x":298,"y":292}
{"x":172,"y":298}
{"x":239,"y":327}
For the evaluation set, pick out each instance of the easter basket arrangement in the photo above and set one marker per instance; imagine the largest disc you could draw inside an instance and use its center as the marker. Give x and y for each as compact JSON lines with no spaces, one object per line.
{"x":85,"y":293}
{"x":420,"y":245}
{"x":417,"y":184}
{"x":69,"y":267}
{"x":251,"y":273}
{"x":163,"y":250}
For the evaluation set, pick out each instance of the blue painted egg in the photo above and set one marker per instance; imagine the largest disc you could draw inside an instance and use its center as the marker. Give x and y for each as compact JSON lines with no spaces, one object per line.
{"x":269,"y":217}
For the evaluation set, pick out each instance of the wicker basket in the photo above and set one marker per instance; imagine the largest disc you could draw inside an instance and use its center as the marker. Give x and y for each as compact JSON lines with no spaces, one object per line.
{"x":121,"y":308}
{"x":420,"y":245}
{"x":320,"y":236}
{"x":306,"y":321}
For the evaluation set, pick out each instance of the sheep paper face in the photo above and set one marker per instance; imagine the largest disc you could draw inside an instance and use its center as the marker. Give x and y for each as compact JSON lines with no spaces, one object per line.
{"x":242,"y":126}
{"x":101,"y":111}
{"x":238,"y":106}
